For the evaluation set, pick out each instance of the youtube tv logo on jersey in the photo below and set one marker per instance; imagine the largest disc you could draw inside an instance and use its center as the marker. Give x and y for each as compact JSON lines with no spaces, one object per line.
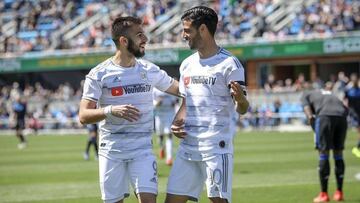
{"x":130,"y":89}
{"x":186,"y":80}
{"x":117,"y":91}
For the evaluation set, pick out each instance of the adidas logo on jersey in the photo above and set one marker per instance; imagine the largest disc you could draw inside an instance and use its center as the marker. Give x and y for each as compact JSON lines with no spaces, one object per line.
{"x":153,"y":180}
{"x":116,"y":79}
{"x":130,"y":89}
{"x":203,"y":80}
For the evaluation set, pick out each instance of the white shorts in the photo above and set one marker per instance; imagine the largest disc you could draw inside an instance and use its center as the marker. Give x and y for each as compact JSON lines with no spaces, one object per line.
{"x":188,"y":177}
{"x":115,"y":176}
{"x":163,"y":124}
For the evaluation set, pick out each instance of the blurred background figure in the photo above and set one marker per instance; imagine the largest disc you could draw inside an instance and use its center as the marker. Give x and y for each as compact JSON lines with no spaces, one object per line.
{"x":352,"y":100}
{"x":164,"y":113}
{"x":327,"y":115}
{"x":92,"y":140}
{"x":19,"y":112}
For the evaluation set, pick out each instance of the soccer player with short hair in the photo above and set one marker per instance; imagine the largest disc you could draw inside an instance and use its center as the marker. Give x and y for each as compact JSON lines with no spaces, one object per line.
{"x":164,"y":114}
{"x":212,"y":83}
{"x":118,"y":94}
{"x":327,"y":115}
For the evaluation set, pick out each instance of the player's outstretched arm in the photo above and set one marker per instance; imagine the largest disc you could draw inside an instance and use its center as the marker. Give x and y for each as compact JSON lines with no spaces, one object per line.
{"x":88,"y":113}
{"x":242,"y":104}
{"x":178,"y":125}
{"x":174,"y":89}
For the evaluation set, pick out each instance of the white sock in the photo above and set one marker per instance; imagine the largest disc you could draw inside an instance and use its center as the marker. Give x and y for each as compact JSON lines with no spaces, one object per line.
{"x":168,"y":148}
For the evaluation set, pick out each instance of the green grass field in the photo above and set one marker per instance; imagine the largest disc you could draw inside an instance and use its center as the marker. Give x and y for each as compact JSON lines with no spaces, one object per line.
{"x":269,"y":167}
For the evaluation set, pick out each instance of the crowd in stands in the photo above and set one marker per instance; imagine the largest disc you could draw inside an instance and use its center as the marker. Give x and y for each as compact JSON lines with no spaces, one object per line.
{"x":37,"y":21}
{"x":324,"y":17}
{"x":57,"y":108}
{"x":34,"y":22}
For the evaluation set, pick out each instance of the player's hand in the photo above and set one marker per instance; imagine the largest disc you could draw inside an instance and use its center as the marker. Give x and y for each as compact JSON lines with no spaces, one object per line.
{"x":178,"y":128}
{"x":127,"y":112}
{"x":237,"y":92}
{"x":311,"y":121}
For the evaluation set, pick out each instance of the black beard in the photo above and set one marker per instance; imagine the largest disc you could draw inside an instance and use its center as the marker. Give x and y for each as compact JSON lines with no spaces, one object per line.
{"x":135,"y":51}
{"x":195,"y":42}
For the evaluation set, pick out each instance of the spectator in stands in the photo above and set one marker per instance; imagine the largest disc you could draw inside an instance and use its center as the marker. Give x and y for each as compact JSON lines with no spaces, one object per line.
{"x":352,"y":100}
{"x":289,"y":87}
{"x":125,"y":109}
{"x":34,"y":123}
{"x":300,"y":82}
{"x":327,"y":116}
{"x":270,"y":83}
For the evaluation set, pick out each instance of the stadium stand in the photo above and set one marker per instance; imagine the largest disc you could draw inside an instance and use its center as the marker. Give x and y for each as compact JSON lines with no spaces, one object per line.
{"x":47,"y":25}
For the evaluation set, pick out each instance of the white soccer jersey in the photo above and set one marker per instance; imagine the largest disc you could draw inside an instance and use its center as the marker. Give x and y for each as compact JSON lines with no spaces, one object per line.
{"x":111,"y":84}
{"x":209,"y":105}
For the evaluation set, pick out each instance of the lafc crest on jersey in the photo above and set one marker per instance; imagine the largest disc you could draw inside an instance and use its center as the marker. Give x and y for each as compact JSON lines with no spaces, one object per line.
{"x":143,"y":75}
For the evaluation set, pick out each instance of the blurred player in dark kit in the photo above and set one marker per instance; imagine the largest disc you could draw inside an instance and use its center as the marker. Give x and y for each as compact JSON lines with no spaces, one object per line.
{"x":92,"y":140}
{"x":327,"y":115}
{"x":19,"y":113}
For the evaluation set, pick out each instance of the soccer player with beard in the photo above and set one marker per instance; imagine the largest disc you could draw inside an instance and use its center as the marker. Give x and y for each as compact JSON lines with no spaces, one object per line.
{"x":118,"y":94}
{"x":212,"y":83}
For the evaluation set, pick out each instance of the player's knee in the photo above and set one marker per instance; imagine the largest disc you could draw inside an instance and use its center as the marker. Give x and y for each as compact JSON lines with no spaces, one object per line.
{"x":324,"y":152}
{"x":217,"y":200}
{"x":146,"y":198}
{"x":170,"y":198}
{"x":338,"y":154}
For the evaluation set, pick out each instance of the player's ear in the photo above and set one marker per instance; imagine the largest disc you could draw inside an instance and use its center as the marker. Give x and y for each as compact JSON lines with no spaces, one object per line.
{"x":123,"y":41}
{"x":202,"y":28}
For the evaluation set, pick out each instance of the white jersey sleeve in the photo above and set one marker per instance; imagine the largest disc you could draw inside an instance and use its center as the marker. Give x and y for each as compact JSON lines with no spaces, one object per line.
{"x":160,"y":78}
{"x":235,"y":72}
{"x":92,"y":87}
